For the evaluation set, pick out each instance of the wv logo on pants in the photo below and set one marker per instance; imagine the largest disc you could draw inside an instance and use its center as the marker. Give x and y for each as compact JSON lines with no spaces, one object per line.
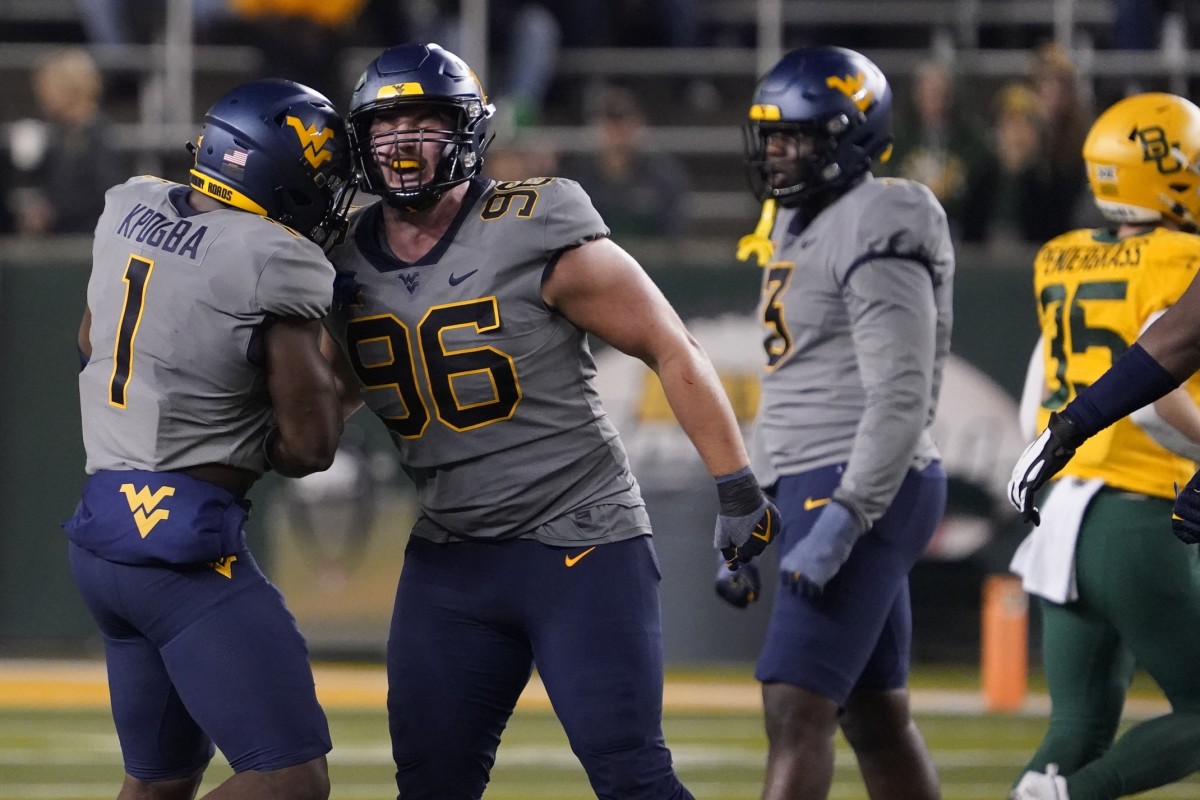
{"x":144,"y":505}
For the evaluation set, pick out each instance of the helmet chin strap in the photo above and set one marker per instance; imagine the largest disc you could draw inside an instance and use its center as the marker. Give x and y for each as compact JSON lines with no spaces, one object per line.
{"x":425,"y":198}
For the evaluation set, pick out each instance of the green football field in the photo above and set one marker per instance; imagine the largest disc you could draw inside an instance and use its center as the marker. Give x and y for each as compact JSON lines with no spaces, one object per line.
{"x":61,"y":745}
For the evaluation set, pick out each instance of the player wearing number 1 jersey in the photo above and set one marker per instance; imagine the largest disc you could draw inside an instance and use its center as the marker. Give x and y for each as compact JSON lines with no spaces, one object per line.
{"x":202,"y":370}
{"x":1128,"y":589}
{"x":461,"y":320}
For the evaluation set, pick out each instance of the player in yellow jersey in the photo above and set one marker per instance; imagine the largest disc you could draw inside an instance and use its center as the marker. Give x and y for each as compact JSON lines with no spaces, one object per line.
{"x":1116,"y":589}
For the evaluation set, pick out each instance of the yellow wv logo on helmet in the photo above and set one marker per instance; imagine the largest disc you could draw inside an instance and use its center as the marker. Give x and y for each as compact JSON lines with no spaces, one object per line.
{"x":852,"y":87}
{"x":765,"y":112}
{"x":144,"y":505}
{"x":399,"y":90}
{"x":312,"y":141}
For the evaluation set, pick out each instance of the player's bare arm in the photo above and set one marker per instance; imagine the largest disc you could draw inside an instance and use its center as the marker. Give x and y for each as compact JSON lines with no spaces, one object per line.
{"x":349,"y":390}
{"x":1178,"y":410}
{"x":1174,"y":338}
{"x":303,"y":397}
{"x":602,"y":289}
{"x":85,"y":335}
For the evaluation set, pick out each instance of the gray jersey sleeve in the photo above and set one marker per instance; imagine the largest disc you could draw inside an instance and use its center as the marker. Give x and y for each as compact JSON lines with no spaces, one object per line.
{"x":892,"y":310}
{"x":296,"y":281}
{"x":891,"y":297}
{"x":573,"y":219}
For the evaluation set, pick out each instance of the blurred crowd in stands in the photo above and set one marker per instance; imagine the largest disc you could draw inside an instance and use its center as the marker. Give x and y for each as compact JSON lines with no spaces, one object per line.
{"x":1004,"y":162}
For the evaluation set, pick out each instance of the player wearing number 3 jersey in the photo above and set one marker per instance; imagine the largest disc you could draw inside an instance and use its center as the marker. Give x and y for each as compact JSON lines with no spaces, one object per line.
{"x":460,"y":320}
{"x":857,"y":284}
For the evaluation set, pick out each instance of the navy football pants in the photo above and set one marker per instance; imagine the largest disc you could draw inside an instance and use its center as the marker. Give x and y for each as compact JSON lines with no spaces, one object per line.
{"x":197,"y":656}
{"x":858,"y":632}
{"x":471,"y":620}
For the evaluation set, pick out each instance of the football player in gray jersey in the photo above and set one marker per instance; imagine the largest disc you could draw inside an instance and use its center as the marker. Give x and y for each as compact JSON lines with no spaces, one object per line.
{"x":856,"y":301}
{"x":202,"y":370}
{"x":461,"y":321}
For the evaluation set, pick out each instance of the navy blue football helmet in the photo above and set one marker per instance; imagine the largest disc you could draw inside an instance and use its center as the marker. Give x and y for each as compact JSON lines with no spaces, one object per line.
{"x":280,"y":149}
{"x":834,"y":99}
{"x":428,"y":76}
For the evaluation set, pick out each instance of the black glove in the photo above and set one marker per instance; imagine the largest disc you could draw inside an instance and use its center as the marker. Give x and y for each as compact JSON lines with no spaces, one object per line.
{"x":1041,"y":461}
{"x":747,"y":521}
{"x":740,"y":588}
{"x":1185,"y":515}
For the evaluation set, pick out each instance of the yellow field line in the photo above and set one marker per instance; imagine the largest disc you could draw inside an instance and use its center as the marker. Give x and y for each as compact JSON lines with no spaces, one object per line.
{"x":82,"y":684}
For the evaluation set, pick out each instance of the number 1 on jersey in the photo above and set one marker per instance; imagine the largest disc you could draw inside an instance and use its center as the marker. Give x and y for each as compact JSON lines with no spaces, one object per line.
{"x":137,"y":275}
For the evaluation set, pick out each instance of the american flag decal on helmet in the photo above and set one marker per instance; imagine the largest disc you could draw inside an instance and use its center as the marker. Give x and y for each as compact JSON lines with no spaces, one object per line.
{"x":233,"y":163}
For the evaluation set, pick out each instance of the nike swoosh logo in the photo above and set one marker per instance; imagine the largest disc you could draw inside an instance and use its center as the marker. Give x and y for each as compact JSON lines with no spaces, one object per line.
{"x":455,"y":281}
{"x":810,"y":504}
{"x":571,"y":561}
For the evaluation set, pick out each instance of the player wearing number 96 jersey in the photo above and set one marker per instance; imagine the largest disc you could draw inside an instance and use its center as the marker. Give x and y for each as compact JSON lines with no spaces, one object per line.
{"x":203,"y":369}
{"x":1114,"y":586}
{"x":460,"y":320}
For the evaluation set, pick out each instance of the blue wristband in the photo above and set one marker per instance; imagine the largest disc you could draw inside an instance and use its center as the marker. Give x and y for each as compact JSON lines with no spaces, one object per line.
{"x":1134,"y":380}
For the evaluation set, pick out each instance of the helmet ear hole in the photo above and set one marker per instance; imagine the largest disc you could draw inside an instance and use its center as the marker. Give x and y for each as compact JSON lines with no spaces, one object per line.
{"x":299,"y":199}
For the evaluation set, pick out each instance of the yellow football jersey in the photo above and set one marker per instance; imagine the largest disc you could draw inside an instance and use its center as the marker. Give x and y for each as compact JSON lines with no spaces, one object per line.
{"x":1094,"y":294}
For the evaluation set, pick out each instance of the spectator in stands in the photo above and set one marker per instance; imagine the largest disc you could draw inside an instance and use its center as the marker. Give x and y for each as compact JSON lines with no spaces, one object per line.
{"x":639,"y":193}
{"x":936,"y":143}
{"x":521,"y":158}
{"x":302,"y":40}
{"x":70,"y":158}
{"x":1067,"y":111}
{"x":1032,"y":187}
{"x":1013,"y":196}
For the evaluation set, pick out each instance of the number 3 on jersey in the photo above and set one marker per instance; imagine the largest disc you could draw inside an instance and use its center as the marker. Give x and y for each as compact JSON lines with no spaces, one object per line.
{"x":395,"y":366}
{"x":778,"y":341}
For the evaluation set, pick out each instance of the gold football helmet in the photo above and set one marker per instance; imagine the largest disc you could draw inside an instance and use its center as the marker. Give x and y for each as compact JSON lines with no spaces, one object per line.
{"x":1143,"y":160}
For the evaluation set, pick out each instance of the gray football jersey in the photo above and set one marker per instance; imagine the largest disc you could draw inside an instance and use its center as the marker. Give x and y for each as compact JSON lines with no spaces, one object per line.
{"x":178,"y":301}
{"x":487,"y":393}
{"x":857,"y":307}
